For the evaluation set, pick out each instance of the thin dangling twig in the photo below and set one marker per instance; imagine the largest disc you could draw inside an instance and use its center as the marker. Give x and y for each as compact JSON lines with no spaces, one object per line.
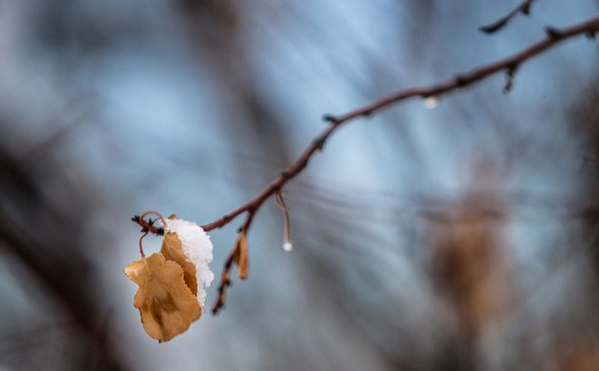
{"x":287,"y":245}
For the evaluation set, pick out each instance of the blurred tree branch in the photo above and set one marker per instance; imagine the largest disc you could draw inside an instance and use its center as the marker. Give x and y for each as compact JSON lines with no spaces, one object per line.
{"x":59,"y":267}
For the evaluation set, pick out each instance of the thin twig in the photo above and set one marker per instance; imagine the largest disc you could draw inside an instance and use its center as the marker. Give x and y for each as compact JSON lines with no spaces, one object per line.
{"x":287,"y":244}
{"x":225,"y":278}
{"x":148,"y":226}
{"x":523,"y":8}
{"x":509,"y":65}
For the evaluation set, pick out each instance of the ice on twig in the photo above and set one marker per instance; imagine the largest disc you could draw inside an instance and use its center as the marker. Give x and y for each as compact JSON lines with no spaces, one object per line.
{"x":431,"y":102}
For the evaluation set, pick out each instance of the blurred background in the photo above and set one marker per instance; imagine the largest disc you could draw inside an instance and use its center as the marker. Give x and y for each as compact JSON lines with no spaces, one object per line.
{"x":462,"y":237}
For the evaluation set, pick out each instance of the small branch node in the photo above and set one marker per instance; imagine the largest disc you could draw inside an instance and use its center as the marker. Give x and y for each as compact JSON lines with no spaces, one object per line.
{"x":460,"y":80}
{"x":329,"y":118}
{"x":319,"y":142}
{"x":437,"y":90}
{"x":553,"y":32}
{"x":509,"y":82}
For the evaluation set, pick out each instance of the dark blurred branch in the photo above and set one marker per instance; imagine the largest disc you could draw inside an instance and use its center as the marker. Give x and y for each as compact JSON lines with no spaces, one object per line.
{"x":63,"y":281}
{"x":509,"y":65}
{"x":523,"y":8}
{"x":590,"y":162}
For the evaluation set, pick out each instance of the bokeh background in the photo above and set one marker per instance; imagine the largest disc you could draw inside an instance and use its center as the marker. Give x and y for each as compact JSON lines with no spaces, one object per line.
{"x":463,"y":237}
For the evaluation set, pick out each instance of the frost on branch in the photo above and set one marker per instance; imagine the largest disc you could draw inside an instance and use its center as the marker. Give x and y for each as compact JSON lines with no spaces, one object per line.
{"x":171,"y":282}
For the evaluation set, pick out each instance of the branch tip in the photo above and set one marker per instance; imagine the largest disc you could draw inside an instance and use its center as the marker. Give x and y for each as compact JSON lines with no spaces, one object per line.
{"x":329,"y":118}
{"x":523,"y":8}
{"x":491,"y":28}
{"x":509,"y":82}
{"x":553,"y":32}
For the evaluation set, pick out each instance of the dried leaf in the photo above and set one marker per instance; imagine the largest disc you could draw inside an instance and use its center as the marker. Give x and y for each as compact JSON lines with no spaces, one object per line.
{"x":166,"y":304}
{"x":190,"y":246}
{"x":241,"y":256}
{"x":172,"y":250}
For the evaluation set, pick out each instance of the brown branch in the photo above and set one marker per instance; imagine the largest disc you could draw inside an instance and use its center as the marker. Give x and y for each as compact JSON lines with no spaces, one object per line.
{"x":509,"y":65}
{"x":523,"y":8}
{"x":225,"y":278}
{"x":147,"y":226}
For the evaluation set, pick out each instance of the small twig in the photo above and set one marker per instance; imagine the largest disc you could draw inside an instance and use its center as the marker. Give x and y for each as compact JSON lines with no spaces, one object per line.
{"x":329,"y":118}
{"x":509,"y":81}
{"x":148,"y":226}
{"x":523,"y":8}
{"x":508,"y":64}
{"x":225,"y":278}
{"x":553,"y":32}
{"x":287,"y":244}
{"x":141,"y":249}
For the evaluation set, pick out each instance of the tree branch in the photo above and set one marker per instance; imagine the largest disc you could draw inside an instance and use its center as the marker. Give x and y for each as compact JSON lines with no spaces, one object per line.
{"x":509,"y":65}
{"x":233,"y":258}
{"x":523,"y":8}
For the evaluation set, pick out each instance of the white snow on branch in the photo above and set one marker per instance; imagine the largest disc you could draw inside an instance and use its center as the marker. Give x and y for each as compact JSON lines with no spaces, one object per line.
{"x":198,"y":250}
